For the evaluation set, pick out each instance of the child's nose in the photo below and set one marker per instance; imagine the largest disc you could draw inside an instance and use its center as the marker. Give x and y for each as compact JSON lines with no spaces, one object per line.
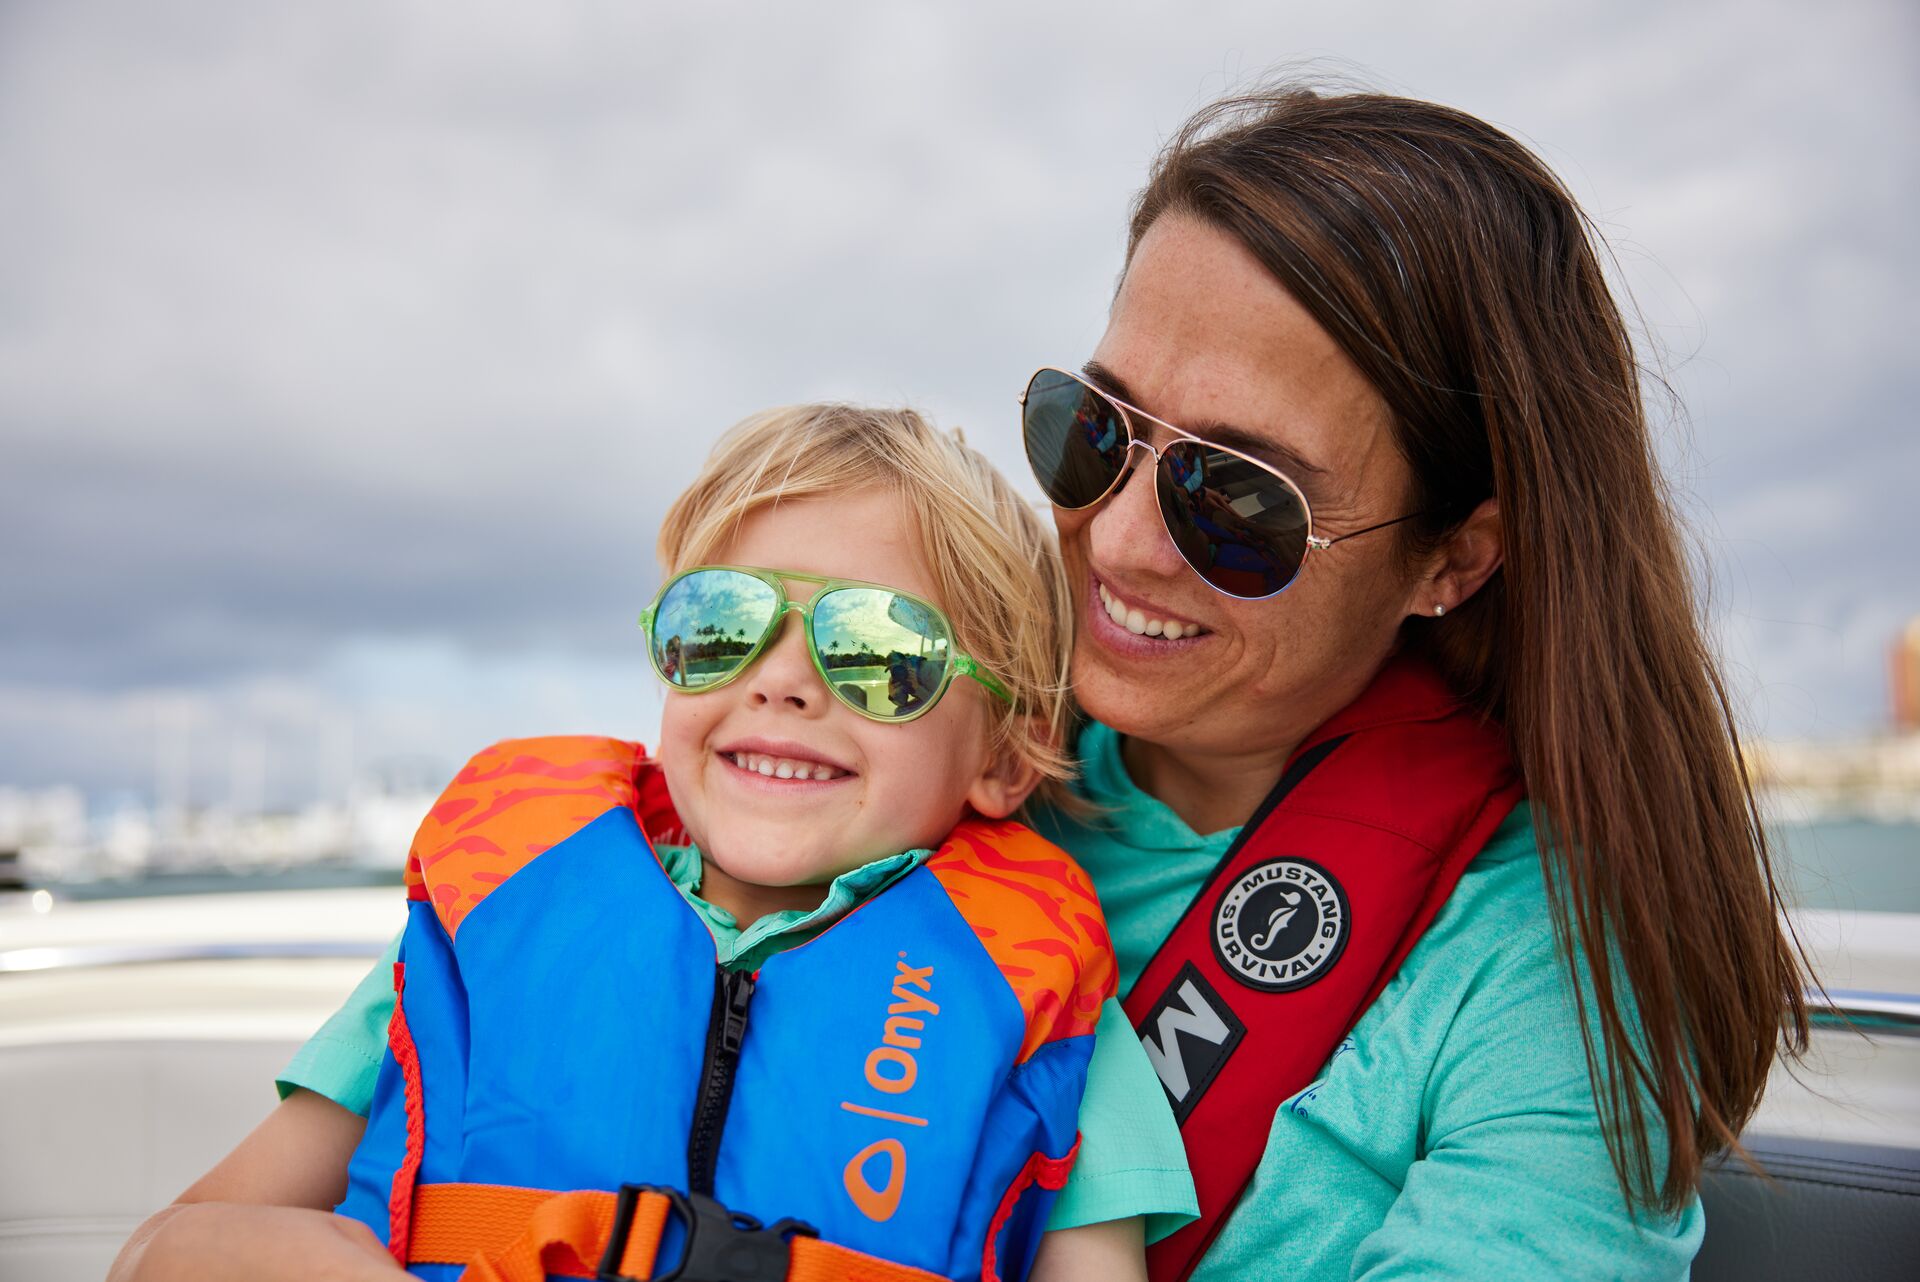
{"x":784,"y":674}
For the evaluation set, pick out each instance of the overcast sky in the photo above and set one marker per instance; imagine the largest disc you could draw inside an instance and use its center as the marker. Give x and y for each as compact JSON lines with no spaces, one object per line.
{"x":349,"y":353}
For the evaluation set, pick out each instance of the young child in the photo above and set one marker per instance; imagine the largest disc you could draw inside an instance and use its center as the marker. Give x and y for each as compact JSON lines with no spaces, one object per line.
{"x":800,"y":970}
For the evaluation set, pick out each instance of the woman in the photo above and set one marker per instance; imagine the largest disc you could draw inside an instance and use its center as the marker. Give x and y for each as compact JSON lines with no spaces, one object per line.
{"x":1396,"y":308}
{"x":1401,"y":307}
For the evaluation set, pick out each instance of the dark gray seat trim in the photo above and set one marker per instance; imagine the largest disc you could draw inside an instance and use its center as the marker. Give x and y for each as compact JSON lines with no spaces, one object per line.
{"x":1822,"y":1209}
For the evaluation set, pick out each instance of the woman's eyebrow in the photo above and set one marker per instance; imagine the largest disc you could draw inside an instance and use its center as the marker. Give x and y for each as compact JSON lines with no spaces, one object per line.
{"x":1106,"y":380}
{"x":1268,"y":451}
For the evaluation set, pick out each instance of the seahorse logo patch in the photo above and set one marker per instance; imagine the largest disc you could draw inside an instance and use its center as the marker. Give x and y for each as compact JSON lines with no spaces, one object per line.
{"x":1280,"y":925}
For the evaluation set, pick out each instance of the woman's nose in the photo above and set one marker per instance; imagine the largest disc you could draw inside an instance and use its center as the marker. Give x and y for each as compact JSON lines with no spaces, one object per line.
{"x":783,"y":675}
{"x":1126,"y":532}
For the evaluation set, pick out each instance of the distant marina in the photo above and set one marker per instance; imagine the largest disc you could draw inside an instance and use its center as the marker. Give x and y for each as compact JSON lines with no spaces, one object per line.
{"x":49,"y":839}
{"x":1870,"y":778}
{"x":1844,"y":818}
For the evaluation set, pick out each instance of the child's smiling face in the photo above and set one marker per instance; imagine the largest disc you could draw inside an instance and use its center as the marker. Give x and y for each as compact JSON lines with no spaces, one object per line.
{"x":771,"y":842}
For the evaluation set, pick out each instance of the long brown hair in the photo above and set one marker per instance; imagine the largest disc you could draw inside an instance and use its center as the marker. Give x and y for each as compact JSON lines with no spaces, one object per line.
{"x":1462,"y":279}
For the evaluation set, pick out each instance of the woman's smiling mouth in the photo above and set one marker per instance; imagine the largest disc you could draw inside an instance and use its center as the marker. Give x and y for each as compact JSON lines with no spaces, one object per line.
{"x":1136,"y":630}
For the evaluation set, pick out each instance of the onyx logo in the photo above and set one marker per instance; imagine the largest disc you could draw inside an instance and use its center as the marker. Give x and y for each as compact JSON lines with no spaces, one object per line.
{"x":1280,"y":925}
{"x":891,"y":1070}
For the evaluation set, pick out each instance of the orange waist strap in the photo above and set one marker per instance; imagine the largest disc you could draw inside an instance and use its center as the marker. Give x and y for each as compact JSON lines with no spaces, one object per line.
{"x":507,"y":1234}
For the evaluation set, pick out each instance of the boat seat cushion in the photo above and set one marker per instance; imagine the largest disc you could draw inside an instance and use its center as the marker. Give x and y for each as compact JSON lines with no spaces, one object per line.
{"x":1830,"y":1210}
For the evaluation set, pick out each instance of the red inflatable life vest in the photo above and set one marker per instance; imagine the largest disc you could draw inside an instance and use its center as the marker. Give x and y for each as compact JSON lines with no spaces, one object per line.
{"x":1307,"y":917}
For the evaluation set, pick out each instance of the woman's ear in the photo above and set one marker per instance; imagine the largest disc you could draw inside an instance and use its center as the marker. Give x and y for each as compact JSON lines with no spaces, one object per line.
{"x":1463,"y":563}
{"x":1006,"y":782}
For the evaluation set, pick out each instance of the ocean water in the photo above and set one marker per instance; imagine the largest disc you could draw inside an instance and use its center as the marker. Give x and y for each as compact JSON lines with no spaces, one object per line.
{"x":1856,"y":865}
{"x":1859,"y":865}
{"x":316,"y":876}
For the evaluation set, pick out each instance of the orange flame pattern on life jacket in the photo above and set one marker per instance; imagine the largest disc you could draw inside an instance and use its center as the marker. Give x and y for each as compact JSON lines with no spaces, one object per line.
{"x":1036,"y":914}
{"x":510,"y":803}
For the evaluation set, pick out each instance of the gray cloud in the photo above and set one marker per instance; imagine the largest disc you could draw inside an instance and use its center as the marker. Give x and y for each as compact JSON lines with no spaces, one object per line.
{"x":346,"y":326}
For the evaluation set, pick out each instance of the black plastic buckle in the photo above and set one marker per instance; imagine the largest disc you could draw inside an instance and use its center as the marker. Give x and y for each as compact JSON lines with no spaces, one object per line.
{"x":721,"y":1245}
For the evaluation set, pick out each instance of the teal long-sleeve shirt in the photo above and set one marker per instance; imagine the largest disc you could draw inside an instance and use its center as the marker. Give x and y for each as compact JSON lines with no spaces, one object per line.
{"x":1453,"y":1133}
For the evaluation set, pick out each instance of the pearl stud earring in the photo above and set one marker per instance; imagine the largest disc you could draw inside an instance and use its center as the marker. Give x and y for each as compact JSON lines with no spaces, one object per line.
{"x":1439,"y":610}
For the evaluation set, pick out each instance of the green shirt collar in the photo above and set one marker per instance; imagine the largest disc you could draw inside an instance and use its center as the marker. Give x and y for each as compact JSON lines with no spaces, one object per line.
{"x":739,"y":949}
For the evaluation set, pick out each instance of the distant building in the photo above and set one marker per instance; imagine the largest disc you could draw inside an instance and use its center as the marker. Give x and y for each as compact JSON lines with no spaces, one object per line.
{"x":1906,"y":677}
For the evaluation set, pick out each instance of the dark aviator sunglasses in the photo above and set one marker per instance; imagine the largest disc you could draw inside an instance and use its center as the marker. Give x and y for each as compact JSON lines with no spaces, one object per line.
{"x":1243,"y":526}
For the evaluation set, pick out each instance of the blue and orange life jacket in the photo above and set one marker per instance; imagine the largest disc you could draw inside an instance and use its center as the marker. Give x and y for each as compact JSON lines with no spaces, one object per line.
{"x":907,"y":1083}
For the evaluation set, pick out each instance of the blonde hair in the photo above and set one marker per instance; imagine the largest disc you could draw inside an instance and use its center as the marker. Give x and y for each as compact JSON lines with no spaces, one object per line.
{"x":996,"y":568}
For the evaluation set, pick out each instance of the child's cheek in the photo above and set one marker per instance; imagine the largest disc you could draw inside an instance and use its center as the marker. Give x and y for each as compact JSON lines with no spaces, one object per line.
{"x":926,"y":786}
{"x":682,"y":755}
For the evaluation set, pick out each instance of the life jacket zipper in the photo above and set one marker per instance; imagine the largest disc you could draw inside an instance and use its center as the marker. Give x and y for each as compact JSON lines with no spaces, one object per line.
{"x":726,"y":1030}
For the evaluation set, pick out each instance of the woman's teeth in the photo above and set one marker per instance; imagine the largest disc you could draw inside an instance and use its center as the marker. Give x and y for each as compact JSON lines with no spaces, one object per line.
{"x":783,"y":767}
{"x":1139,"y":624}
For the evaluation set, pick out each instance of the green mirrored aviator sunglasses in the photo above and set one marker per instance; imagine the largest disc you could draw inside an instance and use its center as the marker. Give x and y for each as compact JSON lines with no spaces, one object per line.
{"x":885,"y":653}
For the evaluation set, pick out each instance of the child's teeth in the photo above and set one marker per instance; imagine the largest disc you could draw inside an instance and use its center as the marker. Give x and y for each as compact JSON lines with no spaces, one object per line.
{"x":783,"y":767}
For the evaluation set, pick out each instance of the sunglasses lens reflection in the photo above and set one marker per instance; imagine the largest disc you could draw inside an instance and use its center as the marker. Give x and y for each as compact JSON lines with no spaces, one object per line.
{"x":1242,"y":528}
{"x":883,"y":653}
{"x":707,"y":624}
{"x":1076,"y":441}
